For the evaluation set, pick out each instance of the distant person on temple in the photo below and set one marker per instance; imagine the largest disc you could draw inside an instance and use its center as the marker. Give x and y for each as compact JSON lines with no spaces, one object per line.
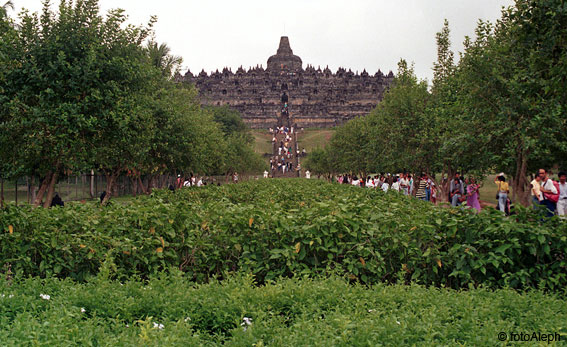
{"x":57,"y":201}
{"x":285,"y":98}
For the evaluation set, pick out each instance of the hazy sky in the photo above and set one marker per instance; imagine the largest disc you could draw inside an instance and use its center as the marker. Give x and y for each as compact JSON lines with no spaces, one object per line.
{"x":356,"y":34}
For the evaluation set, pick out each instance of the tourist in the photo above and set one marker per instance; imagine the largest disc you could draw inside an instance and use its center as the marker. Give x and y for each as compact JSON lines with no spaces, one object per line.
{"x":457,"y":192}
{"x":502,"y":192}
{"x":355,"y":181}
{"x":562,"y":203}
{"x":434,"y":194}
{"x":404,"y":184}
{"x":369,"y":182}
{"x":428,"y":188}
{"x":472,"y":194}
{"x":456,"y":180}
{"x":550,"y":193}
{"x":307,"y":174}
{"x":411,"y":185}
{"x":57,"y":201}
{"x":265,"y":174}
{"x":537,"y":196}
{"x":396,"y":184}
{"x":200,"y":182}
{"x":385,"y":186}
{"x":235,"y":177}
{"x":421,"y":194}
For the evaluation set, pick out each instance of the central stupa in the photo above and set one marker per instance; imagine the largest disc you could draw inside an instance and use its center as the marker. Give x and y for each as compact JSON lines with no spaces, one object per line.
{"x":284,"y":59}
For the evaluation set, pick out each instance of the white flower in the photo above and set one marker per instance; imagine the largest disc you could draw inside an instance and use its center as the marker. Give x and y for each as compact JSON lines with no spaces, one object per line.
{"x":127,"y":325}
{"x":187,"y":319}
{"x":398,"y":322}
{"x":83,"y":310}
{"x":158,"y":326}
{"x":370,"y":311}
{"x":10,"y":296}
{"x":45,"y":296}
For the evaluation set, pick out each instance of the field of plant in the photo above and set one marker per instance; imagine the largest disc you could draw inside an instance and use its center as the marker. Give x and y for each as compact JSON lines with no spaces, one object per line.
{"x":278,"y":262}
{"x":172,"y":311}
{"x":274,"y":228}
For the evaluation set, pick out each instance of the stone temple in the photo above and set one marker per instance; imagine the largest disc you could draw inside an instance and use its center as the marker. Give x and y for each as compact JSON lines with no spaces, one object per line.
{"x":317,"y":98}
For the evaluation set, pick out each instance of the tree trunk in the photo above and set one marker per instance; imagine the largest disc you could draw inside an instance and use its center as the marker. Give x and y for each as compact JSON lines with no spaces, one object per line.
{"x":92,"y":188}
{"x":134,"y":186}
{"x":32,"y":189}
{"x":141,"y":184}
{"x":443,"y":194}
{"x":50,"y":190}
{"x":110,"y":179}
{"x":150,"y":184}
{"x":521,"y":194}
{"x":42,"y":188}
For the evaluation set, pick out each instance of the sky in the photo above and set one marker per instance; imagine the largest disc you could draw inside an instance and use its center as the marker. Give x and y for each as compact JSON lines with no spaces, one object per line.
{"x":355,"y":34}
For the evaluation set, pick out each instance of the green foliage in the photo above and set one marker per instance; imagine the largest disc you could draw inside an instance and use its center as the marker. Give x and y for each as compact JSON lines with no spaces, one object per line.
{"x":320,"y":162}
{"x":230,"y":120}
{"x":170,"y":310}
{"x":274,"y":228}
{"x":239,"y":155}
{"x":80,"y":91}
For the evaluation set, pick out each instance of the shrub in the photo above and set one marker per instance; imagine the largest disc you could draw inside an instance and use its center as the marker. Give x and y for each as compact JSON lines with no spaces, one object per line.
{"x":274,"y":228}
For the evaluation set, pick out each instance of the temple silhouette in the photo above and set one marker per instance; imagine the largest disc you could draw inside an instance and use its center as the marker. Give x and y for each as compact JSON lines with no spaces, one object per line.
{"x":318,"y":98}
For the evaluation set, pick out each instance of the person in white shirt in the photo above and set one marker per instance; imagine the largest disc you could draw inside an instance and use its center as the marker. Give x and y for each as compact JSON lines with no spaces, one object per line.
{"x":562,"y":203}
{"x":200,"y":182}
{"x":307,"y":174}
{"x":355,"y":181}
{"x":547,"y":187}
{"x":265,"y":174}
{"x":396,"y":184}
{"x":369,"y":182}
{"x":404,"y":184}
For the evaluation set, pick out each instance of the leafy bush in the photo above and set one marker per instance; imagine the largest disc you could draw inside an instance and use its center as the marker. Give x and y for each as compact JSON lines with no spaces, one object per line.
{"x":170,"y":310}
{"x":274,"y":228}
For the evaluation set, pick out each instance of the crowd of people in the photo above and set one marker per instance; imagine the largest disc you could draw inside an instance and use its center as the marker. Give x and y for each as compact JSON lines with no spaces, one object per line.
{"x":545,"y":192}
{"x":283,"y":161}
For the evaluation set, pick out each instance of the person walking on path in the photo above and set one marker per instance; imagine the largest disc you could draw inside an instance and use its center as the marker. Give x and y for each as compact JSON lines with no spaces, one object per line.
{"x":549,"y":192}
{"x":562,"y":203}
{"x":503,"y":191}
{"x":537,"y":196}
{"x":457,"y":191}
{"x":472,"y":194}
{"x":421,"y":189}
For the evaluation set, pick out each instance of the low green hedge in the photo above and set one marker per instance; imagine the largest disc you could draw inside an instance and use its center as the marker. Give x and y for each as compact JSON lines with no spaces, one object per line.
{"x":274,"y":228}
{"x":171,"y":311}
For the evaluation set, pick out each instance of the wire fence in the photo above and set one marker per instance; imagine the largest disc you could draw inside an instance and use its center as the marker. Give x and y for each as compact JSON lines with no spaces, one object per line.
{"x":91,"y":186}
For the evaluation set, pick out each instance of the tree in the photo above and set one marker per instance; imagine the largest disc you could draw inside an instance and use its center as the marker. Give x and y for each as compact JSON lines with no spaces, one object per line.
{"x":75,"y":80}
{"x":239,"y":153}
{"x":161,"y":57}
{"x":320,"y":162}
